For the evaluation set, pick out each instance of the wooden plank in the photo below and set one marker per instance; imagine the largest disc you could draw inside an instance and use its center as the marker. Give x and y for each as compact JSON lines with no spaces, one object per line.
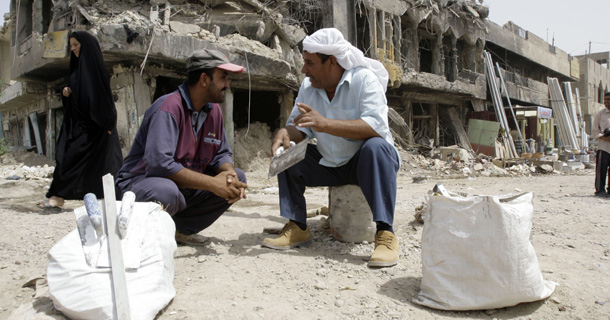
{"x":121,"y":310}
{"x":459,"y":128}
{"x":34,"y":119}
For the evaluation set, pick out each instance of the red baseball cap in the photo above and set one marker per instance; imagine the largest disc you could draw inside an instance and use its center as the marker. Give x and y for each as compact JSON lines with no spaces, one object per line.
{"x":209,"y":59}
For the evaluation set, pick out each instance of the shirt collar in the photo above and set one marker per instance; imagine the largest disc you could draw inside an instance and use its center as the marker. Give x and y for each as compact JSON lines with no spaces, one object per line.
{"x":185,"y":96}
{"x":346,"y":77}
{"x":184,"y":92}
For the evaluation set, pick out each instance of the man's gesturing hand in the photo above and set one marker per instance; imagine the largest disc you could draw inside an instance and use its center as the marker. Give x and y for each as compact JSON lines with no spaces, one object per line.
{"x":310,"y":118}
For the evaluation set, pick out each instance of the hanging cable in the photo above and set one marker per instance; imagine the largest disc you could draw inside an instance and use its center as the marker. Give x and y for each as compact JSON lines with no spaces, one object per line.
{"x":152,"y":37}
{"x":249,"y":93}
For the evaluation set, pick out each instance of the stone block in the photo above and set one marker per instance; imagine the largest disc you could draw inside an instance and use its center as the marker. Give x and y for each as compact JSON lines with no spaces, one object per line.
{"x":573,"y":166}
{"x":557,"y":165}
{"x":184,"y":28}
{"x":350,"y":219}
{"x":455,"y":152}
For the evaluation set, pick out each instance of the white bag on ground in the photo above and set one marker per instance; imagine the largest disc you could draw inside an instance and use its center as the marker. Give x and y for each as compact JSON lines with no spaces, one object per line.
{"x":476,"y":253}
{"x":82,"y":292}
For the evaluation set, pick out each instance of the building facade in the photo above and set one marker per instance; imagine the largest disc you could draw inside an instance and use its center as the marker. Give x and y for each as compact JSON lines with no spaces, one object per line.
{"x":433,"y":51}
{"x":593,"y":83}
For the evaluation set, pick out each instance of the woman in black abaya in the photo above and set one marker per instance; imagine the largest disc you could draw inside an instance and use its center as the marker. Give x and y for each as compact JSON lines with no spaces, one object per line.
{"x":88,"y":145}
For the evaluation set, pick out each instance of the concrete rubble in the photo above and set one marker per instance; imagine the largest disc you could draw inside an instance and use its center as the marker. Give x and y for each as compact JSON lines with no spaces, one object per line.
{"x":27,"y":165}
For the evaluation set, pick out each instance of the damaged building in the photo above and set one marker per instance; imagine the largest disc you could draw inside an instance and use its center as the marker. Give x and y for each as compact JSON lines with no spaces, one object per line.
{"x":144,"y":47}
{"x":432,"y":49}
{"x":594,"y":82}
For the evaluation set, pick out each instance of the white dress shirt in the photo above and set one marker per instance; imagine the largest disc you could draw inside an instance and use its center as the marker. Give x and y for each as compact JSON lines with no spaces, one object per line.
{"x":359,"y":95}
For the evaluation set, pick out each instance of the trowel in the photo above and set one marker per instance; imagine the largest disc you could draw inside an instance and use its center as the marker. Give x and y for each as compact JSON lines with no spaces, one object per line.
{"x":288,"y":158}
{"x":131,"y":228}
{"x":90,"y":238}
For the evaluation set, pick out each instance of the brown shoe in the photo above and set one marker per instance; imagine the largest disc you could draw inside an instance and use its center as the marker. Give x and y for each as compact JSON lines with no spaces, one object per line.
{"x":290,"y":237}
{"x":195,"y":240}
{"x":386,"y":250}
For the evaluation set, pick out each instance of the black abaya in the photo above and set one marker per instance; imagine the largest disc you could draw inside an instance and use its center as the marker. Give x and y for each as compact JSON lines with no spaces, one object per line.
{"x":85,"y":150}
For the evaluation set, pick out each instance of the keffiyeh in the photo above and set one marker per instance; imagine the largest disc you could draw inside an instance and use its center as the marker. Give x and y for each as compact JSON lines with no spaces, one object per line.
{"x":330,"y":41}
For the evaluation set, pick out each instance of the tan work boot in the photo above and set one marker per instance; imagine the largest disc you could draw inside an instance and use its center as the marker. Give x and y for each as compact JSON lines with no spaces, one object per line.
{"x":195,"y":240}
{"x":386,"y":250}
{"x":290,"y":237}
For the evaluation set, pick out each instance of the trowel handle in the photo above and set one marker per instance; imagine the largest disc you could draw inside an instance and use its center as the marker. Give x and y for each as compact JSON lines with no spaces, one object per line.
{"x":129,"y":199}
{"x":93,"y":211}
{"x":281,"y":150}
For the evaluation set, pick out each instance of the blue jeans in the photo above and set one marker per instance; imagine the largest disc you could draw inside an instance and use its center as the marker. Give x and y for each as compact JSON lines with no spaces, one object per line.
{"x":602,"y":163}
{"x":374,"y":168}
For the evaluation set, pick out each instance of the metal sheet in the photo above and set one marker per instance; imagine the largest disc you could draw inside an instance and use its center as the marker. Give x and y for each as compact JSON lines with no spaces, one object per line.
{"x":288,"y":158}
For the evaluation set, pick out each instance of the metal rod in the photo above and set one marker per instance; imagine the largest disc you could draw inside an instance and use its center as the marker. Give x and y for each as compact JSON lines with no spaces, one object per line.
{"x":509,"y":103}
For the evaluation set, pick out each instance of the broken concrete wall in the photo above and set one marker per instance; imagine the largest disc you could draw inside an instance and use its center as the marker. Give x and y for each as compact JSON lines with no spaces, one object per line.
{"x":525,"y":89}
{"x":130,"y":91}
{"x":145,"y":41}
{"x":158,"y":35}
{"x":528,"y":45}
{"x":594,"y":82}
{"x":440,"y":52}
{"x":433,"y":51}
{"x":18,"y":126}
{"x":382,"y":35}
{"x":5,"y":60}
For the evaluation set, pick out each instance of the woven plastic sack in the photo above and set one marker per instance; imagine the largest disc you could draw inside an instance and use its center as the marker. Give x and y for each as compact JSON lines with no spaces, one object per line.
{"x":477,"y":254}
{"x":83,"y":292}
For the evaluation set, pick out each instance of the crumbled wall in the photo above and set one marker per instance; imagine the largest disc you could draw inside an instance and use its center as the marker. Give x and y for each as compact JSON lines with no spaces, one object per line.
{"x":252,"y":147}
{"x":145,"y":40}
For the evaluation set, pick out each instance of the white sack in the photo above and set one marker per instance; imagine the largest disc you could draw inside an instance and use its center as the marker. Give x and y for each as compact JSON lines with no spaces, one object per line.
{"x":83,"y":292}
{"x":476,"y":253}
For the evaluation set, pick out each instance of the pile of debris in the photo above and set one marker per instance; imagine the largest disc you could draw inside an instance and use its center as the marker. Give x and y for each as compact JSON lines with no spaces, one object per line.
{"x":21,"y":164}
{"x":452,"y":167}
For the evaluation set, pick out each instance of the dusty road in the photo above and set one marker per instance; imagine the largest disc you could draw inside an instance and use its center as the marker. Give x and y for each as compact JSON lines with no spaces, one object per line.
{"x":235,"y":278}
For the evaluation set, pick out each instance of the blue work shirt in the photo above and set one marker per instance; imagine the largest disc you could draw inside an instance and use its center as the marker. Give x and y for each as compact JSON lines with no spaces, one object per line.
{"x":359,"y":95}
{"x":171,"y":139}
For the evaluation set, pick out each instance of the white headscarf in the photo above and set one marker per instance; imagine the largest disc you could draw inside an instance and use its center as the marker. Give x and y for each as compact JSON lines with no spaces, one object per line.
{"x":330,"y":41}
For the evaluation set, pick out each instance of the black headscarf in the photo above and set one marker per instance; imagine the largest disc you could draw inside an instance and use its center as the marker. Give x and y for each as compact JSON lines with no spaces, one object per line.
{"x":92,"y":101}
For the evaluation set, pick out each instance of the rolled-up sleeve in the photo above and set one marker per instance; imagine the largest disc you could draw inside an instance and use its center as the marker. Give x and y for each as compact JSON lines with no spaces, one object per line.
{"x":374,"y":105}
{"x":161,"y":146}
{"x":295,"y":113}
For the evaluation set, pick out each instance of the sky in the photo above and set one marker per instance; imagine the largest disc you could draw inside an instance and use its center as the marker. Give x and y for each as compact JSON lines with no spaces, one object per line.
{"x":572,"y":24}
{"x":5,"y":6}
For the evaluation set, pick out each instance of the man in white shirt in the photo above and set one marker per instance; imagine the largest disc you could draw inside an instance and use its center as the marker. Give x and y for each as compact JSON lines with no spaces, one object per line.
{"x":601,"y":122}
{"x":342,"y":104}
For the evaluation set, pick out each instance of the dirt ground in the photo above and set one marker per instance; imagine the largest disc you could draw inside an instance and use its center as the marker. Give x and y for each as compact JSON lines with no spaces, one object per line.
{"x":235,"y":278}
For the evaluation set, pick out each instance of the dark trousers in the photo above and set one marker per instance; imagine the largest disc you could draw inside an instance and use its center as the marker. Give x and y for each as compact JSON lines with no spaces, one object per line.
{"x":192,"y":210}
{"x":374,"y":168}
{"x":602,"y":163}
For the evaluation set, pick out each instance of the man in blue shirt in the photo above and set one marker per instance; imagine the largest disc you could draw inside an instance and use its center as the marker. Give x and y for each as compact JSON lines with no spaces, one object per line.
{"x":342,"y":104}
